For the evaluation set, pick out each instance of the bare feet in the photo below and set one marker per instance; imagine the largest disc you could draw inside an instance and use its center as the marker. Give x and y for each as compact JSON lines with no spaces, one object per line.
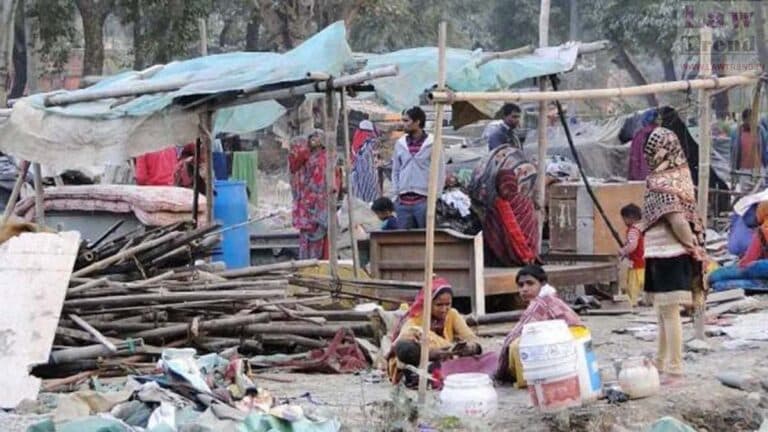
{"x":672,"y":380}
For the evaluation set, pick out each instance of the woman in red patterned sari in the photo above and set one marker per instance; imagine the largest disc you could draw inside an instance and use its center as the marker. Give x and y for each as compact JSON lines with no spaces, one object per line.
{"x":307,"y":162}
{"x":502,"y":193}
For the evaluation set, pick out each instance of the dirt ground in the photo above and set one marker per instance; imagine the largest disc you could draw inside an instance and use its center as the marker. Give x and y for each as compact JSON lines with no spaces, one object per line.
{"x":700,"y":400}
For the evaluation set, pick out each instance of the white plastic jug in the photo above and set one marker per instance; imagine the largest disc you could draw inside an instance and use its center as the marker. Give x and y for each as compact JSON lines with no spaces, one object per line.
{"x":468,"y":394}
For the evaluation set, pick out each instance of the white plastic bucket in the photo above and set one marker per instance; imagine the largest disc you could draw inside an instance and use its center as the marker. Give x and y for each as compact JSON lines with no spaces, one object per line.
{"x":468,"y":395}
{"x":550,"y":365}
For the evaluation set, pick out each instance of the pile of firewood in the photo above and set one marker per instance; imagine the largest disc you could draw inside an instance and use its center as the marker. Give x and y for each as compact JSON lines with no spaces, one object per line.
{"x":134,"y":295}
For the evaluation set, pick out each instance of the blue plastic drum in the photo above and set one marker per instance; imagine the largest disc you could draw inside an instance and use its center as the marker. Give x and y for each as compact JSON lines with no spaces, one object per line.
{"x":230,"y":207}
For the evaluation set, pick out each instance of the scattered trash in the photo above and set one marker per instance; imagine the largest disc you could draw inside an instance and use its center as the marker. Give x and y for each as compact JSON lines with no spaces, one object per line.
{"x":615,"y":395}
{"x":698,"y":346}
{"x":670,"y":424}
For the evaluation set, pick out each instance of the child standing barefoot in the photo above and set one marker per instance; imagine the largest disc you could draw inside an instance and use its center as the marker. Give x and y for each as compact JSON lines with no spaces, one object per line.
{"x":634,"y":250}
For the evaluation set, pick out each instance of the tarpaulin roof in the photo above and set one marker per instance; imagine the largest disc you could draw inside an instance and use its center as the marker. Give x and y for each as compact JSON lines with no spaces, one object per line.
{"x":113,"y":130}
{"x":88,"y":134}
{"x":418,"y":73}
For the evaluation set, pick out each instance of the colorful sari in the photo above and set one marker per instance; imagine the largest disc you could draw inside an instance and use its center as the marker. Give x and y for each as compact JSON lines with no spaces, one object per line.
{"x":310,"y":209}
{"x":758,"y":248}
{"x":365,"y":176}
{"x":443,"y":333}
{"x":502,"y":193}
{"x":546,"y":306}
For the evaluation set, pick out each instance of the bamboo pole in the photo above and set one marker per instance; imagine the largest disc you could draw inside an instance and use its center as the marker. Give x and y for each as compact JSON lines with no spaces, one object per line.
{"x":350,"y":186}
{"x":100,"y":265}
{"x":429,"y":258}
{"x":254,"y":95}
{"x":330,"y":124}
{"x":9,"y":206}
{"x":528,"y":49}
{"x":128,"y":89}
{"x":206,"y":127}
{"x":541,"y":180}
{"x":618,"y":92}
{"x":39,"y":194}
{"x":705,"y":154}
{"x":203,"y":326}
{"x":268,"y":268}
{"x":93,"y":332}
{"x":169,"y":297}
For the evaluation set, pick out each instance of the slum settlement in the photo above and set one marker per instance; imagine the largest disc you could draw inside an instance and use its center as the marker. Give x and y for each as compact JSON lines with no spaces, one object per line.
{"x":319,"y":240}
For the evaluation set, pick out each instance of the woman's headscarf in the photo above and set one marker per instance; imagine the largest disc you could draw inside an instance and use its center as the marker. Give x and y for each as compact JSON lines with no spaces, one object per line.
{"x":365,"y":131}
{"x":669,"y":187}
{"x":439,"y":286}
{"x":638,"y":169}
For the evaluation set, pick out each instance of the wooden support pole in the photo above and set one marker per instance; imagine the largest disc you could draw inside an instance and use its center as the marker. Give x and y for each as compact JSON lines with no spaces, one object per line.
{"x":23,"y":169}
{"x":203,"y":36}
{"x":705,"y":154}
{"x":429,"y":258}
{"x":206,"y":128}
{"x":39,"y":194}
{"x":541,"y":180}
{"x":350,"y":186}
{"x":745,"y":79}
{"x":330,"y":124}
{"x":95,"y":333}
{"x":196,"y":184}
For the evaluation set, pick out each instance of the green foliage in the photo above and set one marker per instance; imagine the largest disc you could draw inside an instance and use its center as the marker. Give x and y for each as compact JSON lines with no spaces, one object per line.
{"x":516,"y":24}
{"x":649,"y":26}
{"x":166,"y":28}
{"x":55,"y":29}
{"x":390,"y":25}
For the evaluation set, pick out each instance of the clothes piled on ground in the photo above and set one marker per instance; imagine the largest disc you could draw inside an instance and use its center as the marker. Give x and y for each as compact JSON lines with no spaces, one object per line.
{"x":753,"y":278}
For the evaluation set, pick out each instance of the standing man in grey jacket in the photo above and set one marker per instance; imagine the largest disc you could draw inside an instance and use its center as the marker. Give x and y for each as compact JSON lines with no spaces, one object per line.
{"x":410,"y":170}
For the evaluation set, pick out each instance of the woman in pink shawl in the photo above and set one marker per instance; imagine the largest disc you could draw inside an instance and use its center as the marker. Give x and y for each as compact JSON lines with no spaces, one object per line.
{"x":307,"y":163}
{"x":543,"y":305}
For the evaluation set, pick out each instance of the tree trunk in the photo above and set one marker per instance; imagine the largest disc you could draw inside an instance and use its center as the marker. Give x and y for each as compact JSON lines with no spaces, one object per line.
{"x":762,"y":45}
{"x":624,"y":61}
{"x":574,"y":30}
{"x":93,"y":14}
{"x":139,"y":53}
{"x":19,"y":54}
{"x":669,"y":68}
{"x":252,"y":32}
{"x":7,"y":15}
{"x":224,"y":35}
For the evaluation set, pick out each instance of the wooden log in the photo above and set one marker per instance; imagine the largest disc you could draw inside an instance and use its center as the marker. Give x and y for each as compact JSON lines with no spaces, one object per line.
{"x":288,"y":340}
{"x":195,"y":185}
{"x":94,"y":351}
{"x":618,"y":92}
{"x":131,"y":88}
{"x":37,"y":174}
{"x":125,"y":300}
{"x":326,"y":331}
{"x":11,"y":204}
{"x":331,"y":315}
{"x":88,"y":285}
{"x":112,"y":228}
{"x":204,"y":326}
{"x":128,"y":253}
{"x":528,"y":49}
{"x":55,"y":384}
{"x":268,"y":268}
{"x":339,"y":291}
{"x":254,"y":94}
{"x":128,"y":327}
{"x":495,"y":318}
{"x":218,"y":344}
{"x":350,"y":185}
{"x":705,"y":155}
{"x":429,"y":257}
{"x":95,"y":333}
{"x":205,"y":286}
{"x":329,"y":127}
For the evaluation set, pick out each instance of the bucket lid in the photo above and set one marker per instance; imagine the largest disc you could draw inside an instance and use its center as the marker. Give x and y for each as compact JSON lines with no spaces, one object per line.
{"x":473,"y":379}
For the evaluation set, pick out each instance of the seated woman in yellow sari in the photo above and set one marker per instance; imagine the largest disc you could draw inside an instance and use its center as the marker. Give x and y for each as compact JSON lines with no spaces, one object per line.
{"x":449,"y":335}
{"x":543,"y":305}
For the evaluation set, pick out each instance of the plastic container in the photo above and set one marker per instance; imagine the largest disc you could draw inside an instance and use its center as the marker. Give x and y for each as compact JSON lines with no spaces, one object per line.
{"x":230,"y":208}
{"x":639,"y":378}
{"x":589,"y":373}
{"x":468,"y":395}
{"x":550,"y":365}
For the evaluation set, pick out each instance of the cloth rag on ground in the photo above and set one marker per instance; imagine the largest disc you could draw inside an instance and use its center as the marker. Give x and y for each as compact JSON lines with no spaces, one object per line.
{"x":342,"y":355}
{"x":152,"y":205}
